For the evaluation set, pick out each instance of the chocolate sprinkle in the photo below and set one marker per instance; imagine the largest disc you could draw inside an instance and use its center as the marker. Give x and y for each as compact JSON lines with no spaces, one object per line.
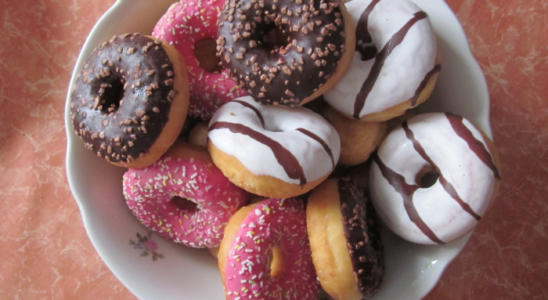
{"x":273,"y":34}
{"x":362,"y":237}
{"x":116,"y":93}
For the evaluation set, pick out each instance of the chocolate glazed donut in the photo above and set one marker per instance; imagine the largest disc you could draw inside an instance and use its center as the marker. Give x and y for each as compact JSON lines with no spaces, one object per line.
{"x":284,"y":52}
{"x":347,"y":250}
{"x":129,"y":101}
{"x":362,"y":237}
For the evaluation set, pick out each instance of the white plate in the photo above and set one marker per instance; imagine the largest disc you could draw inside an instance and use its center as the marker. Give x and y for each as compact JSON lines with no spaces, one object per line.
{"x":184,"y":273}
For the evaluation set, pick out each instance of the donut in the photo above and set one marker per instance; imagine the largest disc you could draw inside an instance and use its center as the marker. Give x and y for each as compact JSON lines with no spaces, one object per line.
{"x":265,"y":253}
{"x":395,"y":64}
{"x":360,"y":175}
{"x":347,"y":251}
{"x":396,"y":122}
{"x":198,"y":134}
{"x":285,"y":52}
{"x":183,"y":197}
{"x":191,"y":27}
{"x":433,"y":178}
{"x":272,"y":151}
{"x":130,"y":99}
{"x":214,"y":252}
{"x":358,"y":139}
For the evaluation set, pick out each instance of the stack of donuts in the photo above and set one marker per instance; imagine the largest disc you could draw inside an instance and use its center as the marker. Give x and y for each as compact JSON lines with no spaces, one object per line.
{"x":280,"y":134}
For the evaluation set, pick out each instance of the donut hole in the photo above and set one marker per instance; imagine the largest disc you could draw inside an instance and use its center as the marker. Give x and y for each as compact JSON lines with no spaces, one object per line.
{"x":184,"y":204}
{"x":273,"y":127}
{"x":110,"y":93}
{"x":427,"y":177}
{"x":276,"y":262}
{"x":367,"y":50}
{"x":205,"y":52}
{"x":275,"y":36}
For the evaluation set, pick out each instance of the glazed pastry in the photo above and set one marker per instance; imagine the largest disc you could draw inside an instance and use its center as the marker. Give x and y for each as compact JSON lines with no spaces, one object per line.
{"x":346,"y":247}
{"x":433,"y":178}
{"x":358,"y":139}
{"x":285,"y":52}
{"x":265,"y":253}
{"x":191,"y":27}
{"x":272,"y":151}
{"x":183,"y":197}
{"x":130,"y":100}
{"x":395,"y":65}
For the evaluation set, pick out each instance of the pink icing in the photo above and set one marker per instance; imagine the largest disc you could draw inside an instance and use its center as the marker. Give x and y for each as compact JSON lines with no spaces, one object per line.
{"x":149,"y":192}
{"x":273,"y":222}
{"x":183,"y":25}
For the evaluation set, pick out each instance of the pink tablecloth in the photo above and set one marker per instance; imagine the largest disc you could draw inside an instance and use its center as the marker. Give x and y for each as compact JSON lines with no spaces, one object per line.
{"x":45,"y":251}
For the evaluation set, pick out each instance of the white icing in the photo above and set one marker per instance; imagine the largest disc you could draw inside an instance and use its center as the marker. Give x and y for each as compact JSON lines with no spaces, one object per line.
{"x":472,"y":179}
{"x":280,"y":125}
{"x":403,"y":71}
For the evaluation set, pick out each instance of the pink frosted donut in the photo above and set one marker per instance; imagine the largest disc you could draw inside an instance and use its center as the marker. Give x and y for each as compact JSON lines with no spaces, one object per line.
{"x":185,"y":24}
{"x":154,"y":195}
{"x":266,"y":255}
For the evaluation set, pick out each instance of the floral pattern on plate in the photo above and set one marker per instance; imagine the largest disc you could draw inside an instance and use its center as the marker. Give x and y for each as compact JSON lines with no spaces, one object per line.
{"x":147,"y":246}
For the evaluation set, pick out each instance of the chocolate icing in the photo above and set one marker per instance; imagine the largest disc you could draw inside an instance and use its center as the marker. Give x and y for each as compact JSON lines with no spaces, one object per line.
{"x":406,"y":191}
{"x":259,"y":115}
{"x":476,"y":146}
{"x":302,"y":130}
{"x":288,"y":162}
{"x":320,"y":141}
{"x":362,"y":237}
{"x":122,"y":97}
{"x":424,"y":82}
{"x":363,"y":38}
{"x":447,"y":186}
{"x":381,"y":57}
{"x":286,"y":74}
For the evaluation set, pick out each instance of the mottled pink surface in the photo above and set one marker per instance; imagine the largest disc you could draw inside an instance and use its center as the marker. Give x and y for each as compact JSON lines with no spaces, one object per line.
{"x":44,"y":248}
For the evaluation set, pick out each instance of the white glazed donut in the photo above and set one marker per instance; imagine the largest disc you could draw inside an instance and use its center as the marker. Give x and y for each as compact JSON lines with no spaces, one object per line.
{"x":295,"y":146}
{"x":426,"y":146}
{"x":395,"y":63}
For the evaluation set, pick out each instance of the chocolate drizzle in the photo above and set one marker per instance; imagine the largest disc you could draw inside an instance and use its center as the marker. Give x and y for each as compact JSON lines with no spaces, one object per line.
{"x":362,"y":237}
{"x":406,"y":191}
{"x":380,"y":59}
{"x":363,"y":37}
{"x":285,"y":158}
{"x":281,"y":52}
{"x":122,"y":97}
{"x":320,"y":141}
{"x":476,"y":146}
{"x":424,"y":82}
{"x":259,"y":115}
{"x":446,"y":184}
